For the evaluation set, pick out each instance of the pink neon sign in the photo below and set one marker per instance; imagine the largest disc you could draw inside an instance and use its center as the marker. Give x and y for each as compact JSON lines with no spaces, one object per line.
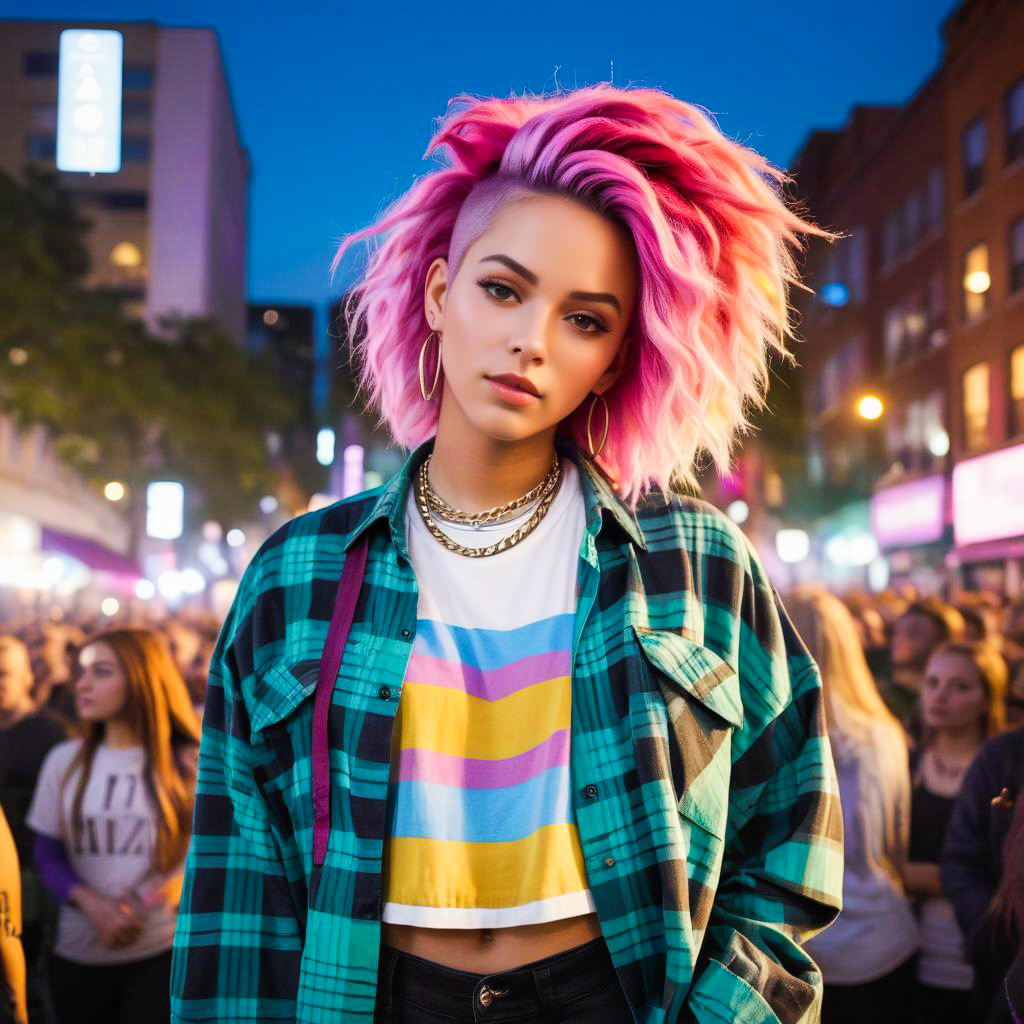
{"x":988,"y":497}
{"x":909,"y":513}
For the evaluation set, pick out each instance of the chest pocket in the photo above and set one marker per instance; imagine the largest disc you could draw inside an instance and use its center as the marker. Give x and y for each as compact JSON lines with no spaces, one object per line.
{"x":702,"y":699}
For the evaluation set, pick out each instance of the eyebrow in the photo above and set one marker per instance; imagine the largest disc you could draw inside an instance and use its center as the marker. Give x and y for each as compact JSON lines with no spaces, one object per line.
{"x":531,"y":277}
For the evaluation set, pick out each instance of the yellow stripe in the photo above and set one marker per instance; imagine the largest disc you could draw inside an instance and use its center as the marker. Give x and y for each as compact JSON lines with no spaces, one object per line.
{"x":449,"y":722}
{"x":442,"y":873}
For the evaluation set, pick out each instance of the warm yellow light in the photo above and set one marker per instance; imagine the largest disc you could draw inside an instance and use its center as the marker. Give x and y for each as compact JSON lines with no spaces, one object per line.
{"x":270,"y":317}
{"x":126,"y":254}
{"x":870,"y":407}
{"x":114,"y":491}
{"x":977,"y":282}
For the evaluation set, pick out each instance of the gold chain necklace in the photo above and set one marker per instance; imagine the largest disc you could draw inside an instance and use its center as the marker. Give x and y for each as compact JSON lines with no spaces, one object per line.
{"x":506,"y":542}
{"x":443,"y":510}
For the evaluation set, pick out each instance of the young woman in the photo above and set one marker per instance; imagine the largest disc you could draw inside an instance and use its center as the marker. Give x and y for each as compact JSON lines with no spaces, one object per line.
{"x":962,"y":703}
{"x":520,"y":734}
{"x":112,"y":812}
{"x":867,"y":955}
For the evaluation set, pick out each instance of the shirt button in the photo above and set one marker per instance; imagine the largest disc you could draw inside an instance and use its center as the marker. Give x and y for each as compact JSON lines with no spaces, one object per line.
{"x":609,"y":862}
{"x":590,"y":791}
{"x":406,"y":634}
{"x":385,"y":693}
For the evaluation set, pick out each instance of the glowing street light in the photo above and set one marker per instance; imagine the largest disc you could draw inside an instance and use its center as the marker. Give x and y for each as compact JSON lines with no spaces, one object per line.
{"x":977,"y":282}
{"x":114,"y":491}
{"x":870,"y":407}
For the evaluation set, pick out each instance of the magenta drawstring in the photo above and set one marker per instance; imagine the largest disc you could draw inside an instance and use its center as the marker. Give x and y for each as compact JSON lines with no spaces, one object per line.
{"x":330,"y":662}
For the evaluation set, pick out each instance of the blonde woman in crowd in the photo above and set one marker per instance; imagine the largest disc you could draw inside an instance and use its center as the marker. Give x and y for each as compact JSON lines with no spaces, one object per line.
{"x":866,"y":956}
{"x":962,"y":704}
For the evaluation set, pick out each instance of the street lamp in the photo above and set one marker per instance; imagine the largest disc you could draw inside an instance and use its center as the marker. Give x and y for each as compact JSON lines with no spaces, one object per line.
{"x":114,"y":491}
{"x":870,"y":407}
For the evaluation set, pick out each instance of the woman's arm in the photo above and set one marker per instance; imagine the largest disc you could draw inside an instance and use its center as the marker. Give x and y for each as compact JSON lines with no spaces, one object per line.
{"x":782,"y":873}
{"x":237,"y":907}
{"x":921,"y":878}
{"x":12,"y":956}
{"x":117,"y":922}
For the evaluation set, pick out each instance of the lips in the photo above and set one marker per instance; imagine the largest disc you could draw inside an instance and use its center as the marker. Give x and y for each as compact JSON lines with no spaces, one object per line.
{"x":511,"y":380}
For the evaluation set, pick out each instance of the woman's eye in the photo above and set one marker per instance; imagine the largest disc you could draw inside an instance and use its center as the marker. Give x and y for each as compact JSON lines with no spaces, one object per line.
{"x":488,"y":284}
{"x":598,"y":327}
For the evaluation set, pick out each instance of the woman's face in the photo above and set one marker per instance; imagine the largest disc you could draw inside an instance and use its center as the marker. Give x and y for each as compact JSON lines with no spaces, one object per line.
{"x":545,"y":295}
{"x":953,"y":696}
{"x":101,"y":689}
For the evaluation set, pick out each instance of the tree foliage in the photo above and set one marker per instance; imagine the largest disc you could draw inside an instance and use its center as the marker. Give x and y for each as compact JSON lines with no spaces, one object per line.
{"x":117,"y":400}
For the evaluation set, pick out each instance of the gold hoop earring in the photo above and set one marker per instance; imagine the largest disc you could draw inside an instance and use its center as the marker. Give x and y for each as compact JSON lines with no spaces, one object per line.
{"x":437,"y":369}
{"x":604,"y":434}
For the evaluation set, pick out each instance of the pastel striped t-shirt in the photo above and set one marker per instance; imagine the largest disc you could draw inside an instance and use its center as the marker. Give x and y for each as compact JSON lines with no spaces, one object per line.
{"x":480,"y":825}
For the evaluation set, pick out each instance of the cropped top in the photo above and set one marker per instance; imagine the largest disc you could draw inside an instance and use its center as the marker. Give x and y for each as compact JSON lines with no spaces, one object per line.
{"x":480,"y":830}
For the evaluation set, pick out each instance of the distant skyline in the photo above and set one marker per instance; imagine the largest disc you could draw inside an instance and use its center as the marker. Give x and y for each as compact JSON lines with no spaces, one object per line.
{"x":336,"y":103}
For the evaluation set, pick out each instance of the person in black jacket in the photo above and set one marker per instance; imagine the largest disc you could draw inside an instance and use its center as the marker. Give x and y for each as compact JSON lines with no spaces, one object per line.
{"x":972,"y":857}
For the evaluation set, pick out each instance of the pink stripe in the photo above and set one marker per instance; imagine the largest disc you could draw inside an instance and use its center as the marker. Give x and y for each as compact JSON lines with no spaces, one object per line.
{"x":471,"y":773}
{"x":490,"y":684}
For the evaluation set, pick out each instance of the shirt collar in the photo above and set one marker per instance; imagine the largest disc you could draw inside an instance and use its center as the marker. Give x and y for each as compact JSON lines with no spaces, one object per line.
{"x":599,"y":497}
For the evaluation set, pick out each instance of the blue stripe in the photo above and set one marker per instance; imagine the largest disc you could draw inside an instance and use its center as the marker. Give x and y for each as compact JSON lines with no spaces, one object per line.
{"x":493,"y":648}
{"x":429,"y":810}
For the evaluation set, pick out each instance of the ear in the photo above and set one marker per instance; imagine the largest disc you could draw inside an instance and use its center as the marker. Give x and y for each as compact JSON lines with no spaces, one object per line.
{"x":611,"y":375}
{"x":435,"y":292}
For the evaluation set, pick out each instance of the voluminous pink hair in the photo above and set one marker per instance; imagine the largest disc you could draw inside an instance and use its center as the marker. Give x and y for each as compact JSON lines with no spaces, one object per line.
{"x":714,"y":243}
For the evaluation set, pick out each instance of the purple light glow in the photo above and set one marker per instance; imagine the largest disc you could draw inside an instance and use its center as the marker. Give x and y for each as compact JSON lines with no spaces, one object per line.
{"x":988,"y":497}
{"x":910,"y":513}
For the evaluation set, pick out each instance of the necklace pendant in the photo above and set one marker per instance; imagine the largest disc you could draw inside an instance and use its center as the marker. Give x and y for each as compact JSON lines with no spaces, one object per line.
{"x":476,"y":524}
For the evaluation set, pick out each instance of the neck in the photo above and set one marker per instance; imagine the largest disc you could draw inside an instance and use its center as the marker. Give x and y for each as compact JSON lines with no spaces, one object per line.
{"x":474,"y":473}
{"x":118,"y":733}
{"x":957,"y":743}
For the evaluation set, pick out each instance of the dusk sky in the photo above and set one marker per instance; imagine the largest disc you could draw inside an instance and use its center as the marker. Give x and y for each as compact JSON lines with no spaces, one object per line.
{"x":336,"y":102}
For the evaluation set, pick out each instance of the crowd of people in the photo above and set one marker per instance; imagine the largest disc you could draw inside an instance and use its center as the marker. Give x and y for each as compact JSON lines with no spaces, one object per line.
{"x":924,"y":701}
{"x":99,"y":734}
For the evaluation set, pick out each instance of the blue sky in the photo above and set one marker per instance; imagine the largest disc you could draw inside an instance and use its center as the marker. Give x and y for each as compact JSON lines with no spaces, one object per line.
{"x":336,"y":102}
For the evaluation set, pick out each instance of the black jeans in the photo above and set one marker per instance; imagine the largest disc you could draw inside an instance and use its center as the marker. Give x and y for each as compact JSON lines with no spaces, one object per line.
{"x":137,"y":992}
{"x":578,"y":985}
{"x":887,"y":1000}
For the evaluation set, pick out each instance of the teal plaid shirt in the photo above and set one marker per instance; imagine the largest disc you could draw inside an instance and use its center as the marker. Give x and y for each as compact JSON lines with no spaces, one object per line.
{"x":702,"y":784}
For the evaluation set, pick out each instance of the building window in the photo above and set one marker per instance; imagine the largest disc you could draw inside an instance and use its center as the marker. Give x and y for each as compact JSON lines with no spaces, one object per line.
{"x":1017,"y":391}
{"x":42,"y":118}
{"x":976,"y":407}
{"x":976,"y":282}
{"x":134,"y":150}
{"x":974,"y":144}
{"x":36,"y":64}
{"x":1015,"y":122}
{"x":1017,"y":255}
{"x":39,"y":146}
{"x":138,"y":76}
{"x":892,"y":237}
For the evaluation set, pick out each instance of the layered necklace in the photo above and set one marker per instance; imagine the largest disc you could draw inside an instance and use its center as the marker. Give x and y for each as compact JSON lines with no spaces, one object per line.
{"x":534,"y":504}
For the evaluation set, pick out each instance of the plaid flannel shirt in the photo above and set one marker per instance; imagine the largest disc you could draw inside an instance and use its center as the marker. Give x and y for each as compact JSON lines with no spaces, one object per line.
{"x":702,"y":783}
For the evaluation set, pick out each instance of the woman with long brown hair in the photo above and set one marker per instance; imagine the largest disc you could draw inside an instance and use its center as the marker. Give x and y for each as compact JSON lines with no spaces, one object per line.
{"x":112,"y":812}
{"x":962,"y":704}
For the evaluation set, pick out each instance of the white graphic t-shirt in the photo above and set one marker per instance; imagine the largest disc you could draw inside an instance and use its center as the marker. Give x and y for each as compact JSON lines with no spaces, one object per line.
{"x":111,"y":853}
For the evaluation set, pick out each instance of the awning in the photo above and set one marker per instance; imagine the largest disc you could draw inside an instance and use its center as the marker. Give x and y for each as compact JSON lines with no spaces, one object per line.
{"x":987,"y":551}
{"x":96,"y":556}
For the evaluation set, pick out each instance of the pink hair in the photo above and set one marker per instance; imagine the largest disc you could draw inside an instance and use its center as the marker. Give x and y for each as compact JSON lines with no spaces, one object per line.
{"x":713,"y":239}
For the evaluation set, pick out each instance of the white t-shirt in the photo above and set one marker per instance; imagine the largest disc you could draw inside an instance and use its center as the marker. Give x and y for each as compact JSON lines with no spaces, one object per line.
{"x":481,"y":832}
{"x":113,"y":852}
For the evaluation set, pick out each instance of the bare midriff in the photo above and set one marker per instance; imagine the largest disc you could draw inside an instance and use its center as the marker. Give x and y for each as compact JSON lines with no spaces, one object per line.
{"x":487,"y":950}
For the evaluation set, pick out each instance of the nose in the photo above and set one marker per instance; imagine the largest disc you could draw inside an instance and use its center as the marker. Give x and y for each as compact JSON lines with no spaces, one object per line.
{"x":531,"y":342}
